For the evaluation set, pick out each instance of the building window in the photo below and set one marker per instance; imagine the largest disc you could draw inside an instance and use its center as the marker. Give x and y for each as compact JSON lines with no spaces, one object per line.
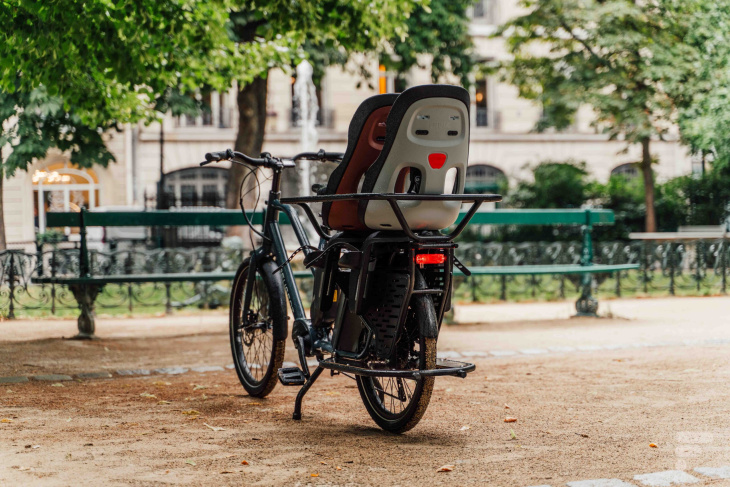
{"x":217,"y":111}
{"x":63,"y":187}
{"x":629,"y":171}
{"x":483,"y":178}
{"x":485,"y":11}
{"x":482,"y":103}
{"x":195,"y":187}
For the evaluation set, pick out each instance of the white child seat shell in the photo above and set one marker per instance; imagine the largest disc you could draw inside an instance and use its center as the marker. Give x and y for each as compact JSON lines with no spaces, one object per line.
{"x":428,"y":132}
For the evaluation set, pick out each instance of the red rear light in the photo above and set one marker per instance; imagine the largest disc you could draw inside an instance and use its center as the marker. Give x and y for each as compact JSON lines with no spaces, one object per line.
{"x":422,"y":259}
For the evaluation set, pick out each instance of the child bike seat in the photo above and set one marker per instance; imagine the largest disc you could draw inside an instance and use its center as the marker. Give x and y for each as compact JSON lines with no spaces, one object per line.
{"x":427,"y":135}
{"x":365,"y":139}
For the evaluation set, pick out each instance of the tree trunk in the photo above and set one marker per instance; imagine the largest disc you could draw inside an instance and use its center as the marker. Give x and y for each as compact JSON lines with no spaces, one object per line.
{"x":250,"y":138}
{"x":3,"y":241}
{"x":650,"y":222}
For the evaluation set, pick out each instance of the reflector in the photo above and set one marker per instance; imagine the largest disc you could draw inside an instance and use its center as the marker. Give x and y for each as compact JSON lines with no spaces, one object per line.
{"x":422,"y":259}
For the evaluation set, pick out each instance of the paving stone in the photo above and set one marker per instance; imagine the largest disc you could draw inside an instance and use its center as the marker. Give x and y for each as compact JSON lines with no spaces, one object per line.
{"x":13,"y":380}
{"x":94,"y":375}
{"x":53,"y":377}
{"x":561,"y":349}
{"x":171,"y":370}
{"x":715,"y":472}
{"x":133,"y":372}
{"x":207,"y":368}
{"x":666,"y":478}
{"x":289,"y":364}
{"x":533,"y":351}
{"x":475,"y":354}
{"x":448,"y":354}
{"x":599,"y":483}
{"x":230,"y":366}
{"x":502,"y":353}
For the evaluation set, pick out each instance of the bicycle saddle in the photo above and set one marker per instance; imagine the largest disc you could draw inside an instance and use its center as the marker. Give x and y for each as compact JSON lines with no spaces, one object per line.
{"x":427,"y":135}
{"x":365,"y":139}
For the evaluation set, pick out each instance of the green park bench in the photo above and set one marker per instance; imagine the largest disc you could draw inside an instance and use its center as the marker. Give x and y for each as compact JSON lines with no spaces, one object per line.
{"x":85,"y":287}
{"x":586,"y":305}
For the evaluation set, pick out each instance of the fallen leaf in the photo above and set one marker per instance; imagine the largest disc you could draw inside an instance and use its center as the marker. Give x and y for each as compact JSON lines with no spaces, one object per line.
{"x":57,"y":384}
{"x":323,"y":463}
{"x":244,"y":462}
{"x":24,"y":469}
{"x":147,"y":394}
{"x":35,"y":447}
{"x":6,"y":420}
{"x":446,"y":468}
{"x":653,"y":445}
{"x":164,"y":402}
{"x":226,"y":471}
{"x":510,"y":419}
{"x":339,"y":468}
{"x":464,"y":428}
{"x":332,"y":393}
{"x":191,"y":412}
{"x":161,"y":383}
{"x":512,"y":434}
{"x":506,"y":407}
{"x":197,"y":387}
{"x":190,"y":462}
{"x":315,"y":475}
{"x":214,"y":428}
{"x":253,"y":404}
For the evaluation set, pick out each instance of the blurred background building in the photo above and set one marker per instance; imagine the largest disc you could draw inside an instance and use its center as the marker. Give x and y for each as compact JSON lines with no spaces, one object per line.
{"x":503,"y":142}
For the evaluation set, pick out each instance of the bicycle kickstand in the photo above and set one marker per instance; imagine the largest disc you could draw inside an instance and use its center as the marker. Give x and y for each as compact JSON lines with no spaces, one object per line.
{"x":298,"y":403}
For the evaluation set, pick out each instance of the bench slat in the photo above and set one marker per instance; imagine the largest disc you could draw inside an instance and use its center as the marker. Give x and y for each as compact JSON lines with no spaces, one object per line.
{"x":170,"y":277}
{"x":516,"y":270}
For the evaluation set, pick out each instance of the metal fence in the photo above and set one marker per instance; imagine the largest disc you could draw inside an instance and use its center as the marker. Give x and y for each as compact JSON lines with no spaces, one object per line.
{"x":676,"y":268}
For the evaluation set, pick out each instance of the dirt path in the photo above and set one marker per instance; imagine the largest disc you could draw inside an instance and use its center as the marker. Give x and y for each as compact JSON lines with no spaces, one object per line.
{"x":580,"y":415}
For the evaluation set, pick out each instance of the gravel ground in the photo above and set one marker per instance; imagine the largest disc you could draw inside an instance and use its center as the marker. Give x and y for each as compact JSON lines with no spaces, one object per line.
{"x":580,"y":415}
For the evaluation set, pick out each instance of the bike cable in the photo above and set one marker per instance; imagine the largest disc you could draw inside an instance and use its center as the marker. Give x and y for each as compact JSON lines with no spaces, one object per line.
{"x":257,"y":187}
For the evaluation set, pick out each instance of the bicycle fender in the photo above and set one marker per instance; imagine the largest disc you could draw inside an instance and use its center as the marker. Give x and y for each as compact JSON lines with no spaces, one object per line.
{"x":429,"y":327}
{"x":277,"y":294}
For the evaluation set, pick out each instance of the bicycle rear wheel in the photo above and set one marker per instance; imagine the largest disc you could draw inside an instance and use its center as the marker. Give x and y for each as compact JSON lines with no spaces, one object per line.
{"x":257,"y":352}
{"x":398,"y":404}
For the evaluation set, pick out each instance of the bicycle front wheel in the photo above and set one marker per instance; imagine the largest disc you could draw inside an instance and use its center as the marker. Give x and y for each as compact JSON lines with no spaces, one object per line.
{"x":257,"y":352}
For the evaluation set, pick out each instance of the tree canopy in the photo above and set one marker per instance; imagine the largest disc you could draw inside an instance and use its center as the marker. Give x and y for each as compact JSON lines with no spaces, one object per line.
{"x":112,"y":59}
{"x":637,"y":64}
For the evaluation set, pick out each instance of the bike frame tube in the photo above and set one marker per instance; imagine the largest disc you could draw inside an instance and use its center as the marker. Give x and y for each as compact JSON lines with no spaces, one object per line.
{"x":273,"y":231}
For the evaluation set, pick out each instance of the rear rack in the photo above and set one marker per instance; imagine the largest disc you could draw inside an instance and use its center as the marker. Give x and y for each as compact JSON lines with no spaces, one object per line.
{"x":443,"y":367}
{"x":393,"y":199}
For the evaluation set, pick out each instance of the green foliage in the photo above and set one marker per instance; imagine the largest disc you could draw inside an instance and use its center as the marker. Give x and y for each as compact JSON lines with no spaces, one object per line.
{"x":440,"y":29}
{"x":36,"y":122}
{"x":110,"y":60}
{"x":630,"y":61}
{"x":555,"y":185}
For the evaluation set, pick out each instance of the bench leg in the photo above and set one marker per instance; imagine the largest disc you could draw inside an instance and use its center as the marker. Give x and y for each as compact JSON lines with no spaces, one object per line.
{"x":85,"y":295}
{"x":587,"y":305}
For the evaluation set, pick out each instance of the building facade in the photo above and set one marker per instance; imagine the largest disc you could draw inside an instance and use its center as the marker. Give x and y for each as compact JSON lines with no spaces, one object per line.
{"x":503,"y":143}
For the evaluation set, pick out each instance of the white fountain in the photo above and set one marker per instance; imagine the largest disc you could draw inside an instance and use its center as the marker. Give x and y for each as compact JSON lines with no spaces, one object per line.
{"x":305,"y":97}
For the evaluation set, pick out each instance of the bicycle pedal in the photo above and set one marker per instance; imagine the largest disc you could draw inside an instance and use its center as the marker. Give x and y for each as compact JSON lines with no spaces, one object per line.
{"x":291,"y":376}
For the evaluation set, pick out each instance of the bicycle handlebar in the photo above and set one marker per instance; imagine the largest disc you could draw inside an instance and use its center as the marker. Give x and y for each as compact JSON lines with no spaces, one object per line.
{"x":266,"y":160}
